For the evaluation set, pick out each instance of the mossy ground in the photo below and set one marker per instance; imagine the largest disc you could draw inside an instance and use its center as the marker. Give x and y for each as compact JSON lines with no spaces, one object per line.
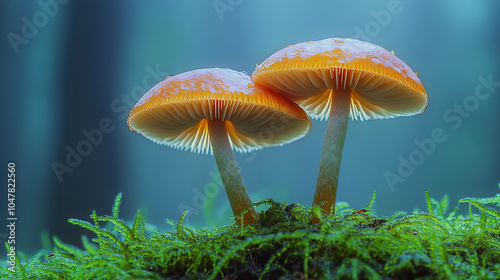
{"x":348,"y":245}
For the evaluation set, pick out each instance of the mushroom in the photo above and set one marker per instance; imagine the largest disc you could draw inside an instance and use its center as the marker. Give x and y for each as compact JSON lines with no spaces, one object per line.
{"x":214,"y":111}
{"x":336,"y":78}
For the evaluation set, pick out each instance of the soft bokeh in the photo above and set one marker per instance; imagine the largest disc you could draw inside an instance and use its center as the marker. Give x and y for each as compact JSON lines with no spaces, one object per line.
{"x":70,"y":68}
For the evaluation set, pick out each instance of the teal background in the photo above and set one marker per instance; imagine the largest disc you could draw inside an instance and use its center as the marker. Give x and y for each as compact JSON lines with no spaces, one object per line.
{"x":71,"y":66}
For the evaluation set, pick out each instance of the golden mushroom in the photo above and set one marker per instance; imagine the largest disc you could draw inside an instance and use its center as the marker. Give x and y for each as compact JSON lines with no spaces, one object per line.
{"x":336,"y":78}
{"x":215,"y":110}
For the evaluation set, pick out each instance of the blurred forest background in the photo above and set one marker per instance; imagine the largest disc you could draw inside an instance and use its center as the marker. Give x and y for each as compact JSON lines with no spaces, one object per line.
{"x":71,"y":71}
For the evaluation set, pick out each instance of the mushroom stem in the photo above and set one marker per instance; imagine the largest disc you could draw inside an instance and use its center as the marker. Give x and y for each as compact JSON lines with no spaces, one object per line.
{"x":230,"y":172}
{"x":326,"y":184}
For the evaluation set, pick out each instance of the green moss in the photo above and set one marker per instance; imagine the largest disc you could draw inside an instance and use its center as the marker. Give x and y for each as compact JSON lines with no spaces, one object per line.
{"x":349,"y":245}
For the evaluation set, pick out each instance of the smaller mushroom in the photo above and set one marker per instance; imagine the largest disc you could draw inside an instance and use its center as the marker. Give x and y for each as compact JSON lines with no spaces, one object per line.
{"x":336,"y":78}
{"x":217,"y":110}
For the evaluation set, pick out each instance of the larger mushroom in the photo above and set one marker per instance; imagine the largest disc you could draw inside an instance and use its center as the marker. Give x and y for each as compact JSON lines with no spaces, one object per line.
{"x":336,"y":78}
{"x":215,"y":110}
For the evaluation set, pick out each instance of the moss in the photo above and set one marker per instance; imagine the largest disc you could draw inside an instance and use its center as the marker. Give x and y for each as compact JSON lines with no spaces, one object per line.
{"x":348,"y":245}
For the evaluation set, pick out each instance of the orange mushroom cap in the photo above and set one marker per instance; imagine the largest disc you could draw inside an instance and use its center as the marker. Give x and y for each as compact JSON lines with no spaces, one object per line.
{"x":175,"y":112}
{"x":382,"y":85}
